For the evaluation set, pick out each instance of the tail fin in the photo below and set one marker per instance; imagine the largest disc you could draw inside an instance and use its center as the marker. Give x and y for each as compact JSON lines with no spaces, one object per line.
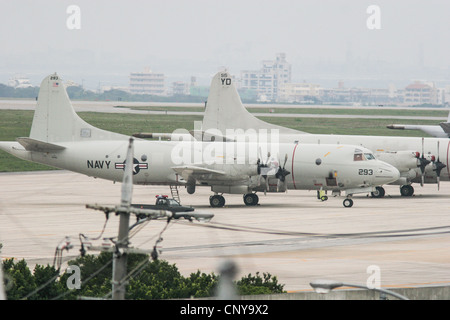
{"x":224,"y":109}
{"x":55,"y":119}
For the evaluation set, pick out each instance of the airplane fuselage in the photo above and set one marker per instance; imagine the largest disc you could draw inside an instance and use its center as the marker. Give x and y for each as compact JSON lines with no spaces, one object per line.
{"x":311,"y":166}
{"x":397,"y":151}
{"x":60,"y":138}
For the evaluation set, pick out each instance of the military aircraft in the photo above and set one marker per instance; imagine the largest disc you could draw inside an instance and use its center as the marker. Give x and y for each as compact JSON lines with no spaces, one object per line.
{"x":439,"y":131}
{"x":60,"y":138}
{"x":419,"y":160}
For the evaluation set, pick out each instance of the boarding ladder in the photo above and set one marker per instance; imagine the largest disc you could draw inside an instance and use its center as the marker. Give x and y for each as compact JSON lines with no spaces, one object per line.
{"x":174,"y":192}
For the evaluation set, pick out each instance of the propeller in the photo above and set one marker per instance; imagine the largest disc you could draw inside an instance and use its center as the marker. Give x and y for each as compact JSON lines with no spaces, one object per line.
{"x":422,"y":162}
{"x":281,"y":176}
{"x":437,"y":166}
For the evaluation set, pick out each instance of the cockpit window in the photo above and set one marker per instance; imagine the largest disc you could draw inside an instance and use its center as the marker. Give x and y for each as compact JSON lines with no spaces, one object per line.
{"x":358,"y":157}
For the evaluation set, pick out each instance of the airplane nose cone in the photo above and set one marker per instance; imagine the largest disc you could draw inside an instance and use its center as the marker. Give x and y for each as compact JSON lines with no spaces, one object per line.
{"x":387,"y":173}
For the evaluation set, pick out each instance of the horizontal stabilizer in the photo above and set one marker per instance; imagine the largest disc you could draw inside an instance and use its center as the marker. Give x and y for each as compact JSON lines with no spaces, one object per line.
{"x":39,"y":146}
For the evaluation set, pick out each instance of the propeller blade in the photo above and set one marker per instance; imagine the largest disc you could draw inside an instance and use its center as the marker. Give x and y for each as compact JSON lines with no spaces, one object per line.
{"x":281,"y":186}
{"x":422,"y":162}
{"x":423,"y":141}
{"x":438,"y":166}
{"x":259,"y":155}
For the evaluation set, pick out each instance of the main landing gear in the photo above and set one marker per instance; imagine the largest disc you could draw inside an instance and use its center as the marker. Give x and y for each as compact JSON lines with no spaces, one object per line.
{"x":218,"y":201}
{"x":407,"y":190}
{"x":378,"y":193}
{"x":251,"y":199}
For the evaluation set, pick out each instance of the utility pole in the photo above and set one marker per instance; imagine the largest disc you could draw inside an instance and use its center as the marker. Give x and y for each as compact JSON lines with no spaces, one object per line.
{"x":120,"y":258}
{"x":120,"y":253}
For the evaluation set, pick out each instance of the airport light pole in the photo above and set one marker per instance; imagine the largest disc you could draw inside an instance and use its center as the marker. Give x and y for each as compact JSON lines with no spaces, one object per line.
{"x":325,"y":286}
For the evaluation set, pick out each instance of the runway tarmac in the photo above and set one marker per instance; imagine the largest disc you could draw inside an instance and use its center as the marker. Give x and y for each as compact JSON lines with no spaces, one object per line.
{"x":292,"y":236}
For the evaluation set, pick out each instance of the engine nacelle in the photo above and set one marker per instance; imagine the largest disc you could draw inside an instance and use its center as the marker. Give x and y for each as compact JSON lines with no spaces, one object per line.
{"x":402,"y":160}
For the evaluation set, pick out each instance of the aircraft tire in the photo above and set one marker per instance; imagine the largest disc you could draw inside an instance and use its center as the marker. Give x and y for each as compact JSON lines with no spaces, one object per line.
{"x":251,"y":199}
{"x":217,"y":201}
{"x":348,"y":203}
{"x":378,"y":193}
{"x":407,"y":190}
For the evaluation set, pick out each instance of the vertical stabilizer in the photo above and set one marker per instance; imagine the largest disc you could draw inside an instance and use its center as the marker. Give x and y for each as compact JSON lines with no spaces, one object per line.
{"x":55,"y":119}
{"x":224,"y":109}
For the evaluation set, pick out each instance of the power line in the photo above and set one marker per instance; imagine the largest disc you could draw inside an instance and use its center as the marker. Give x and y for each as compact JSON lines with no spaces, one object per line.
{"x":371,"y":234}
{"x":124,"y":210}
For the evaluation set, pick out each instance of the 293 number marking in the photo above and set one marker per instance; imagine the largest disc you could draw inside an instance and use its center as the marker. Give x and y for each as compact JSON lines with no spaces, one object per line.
{"x":365,"y":172}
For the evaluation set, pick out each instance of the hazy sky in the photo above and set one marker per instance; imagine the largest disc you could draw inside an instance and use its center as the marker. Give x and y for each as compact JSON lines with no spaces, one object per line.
{"x":327,"y":39}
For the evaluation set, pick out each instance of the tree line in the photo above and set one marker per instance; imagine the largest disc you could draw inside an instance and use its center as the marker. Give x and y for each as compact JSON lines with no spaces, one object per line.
{"x":78,"y":93}
{"x":148,"y":280}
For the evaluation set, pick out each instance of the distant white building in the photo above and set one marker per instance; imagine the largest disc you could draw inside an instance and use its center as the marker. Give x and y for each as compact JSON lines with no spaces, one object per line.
{"x":299,"y":92}
{"x":443,"y":96}
{"x":268,"y":79}
{"x":147,"y":82}
{"x":420,"y":93}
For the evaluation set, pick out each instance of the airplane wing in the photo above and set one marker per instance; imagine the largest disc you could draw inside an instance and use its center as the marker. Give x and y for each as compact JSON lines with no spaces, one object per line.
{"x":435,"y":131}
{"x":39,"y":146}
{"x":445,"y":126}
{"x":194,"y":171}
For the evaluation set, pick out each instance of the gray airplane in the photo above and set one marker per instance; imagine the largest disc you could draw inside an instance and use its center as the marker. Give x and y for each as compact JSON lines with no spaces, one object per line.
{"x":439,"y":131}
{"x":419,"y":160}
{"x":60,"y":138}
